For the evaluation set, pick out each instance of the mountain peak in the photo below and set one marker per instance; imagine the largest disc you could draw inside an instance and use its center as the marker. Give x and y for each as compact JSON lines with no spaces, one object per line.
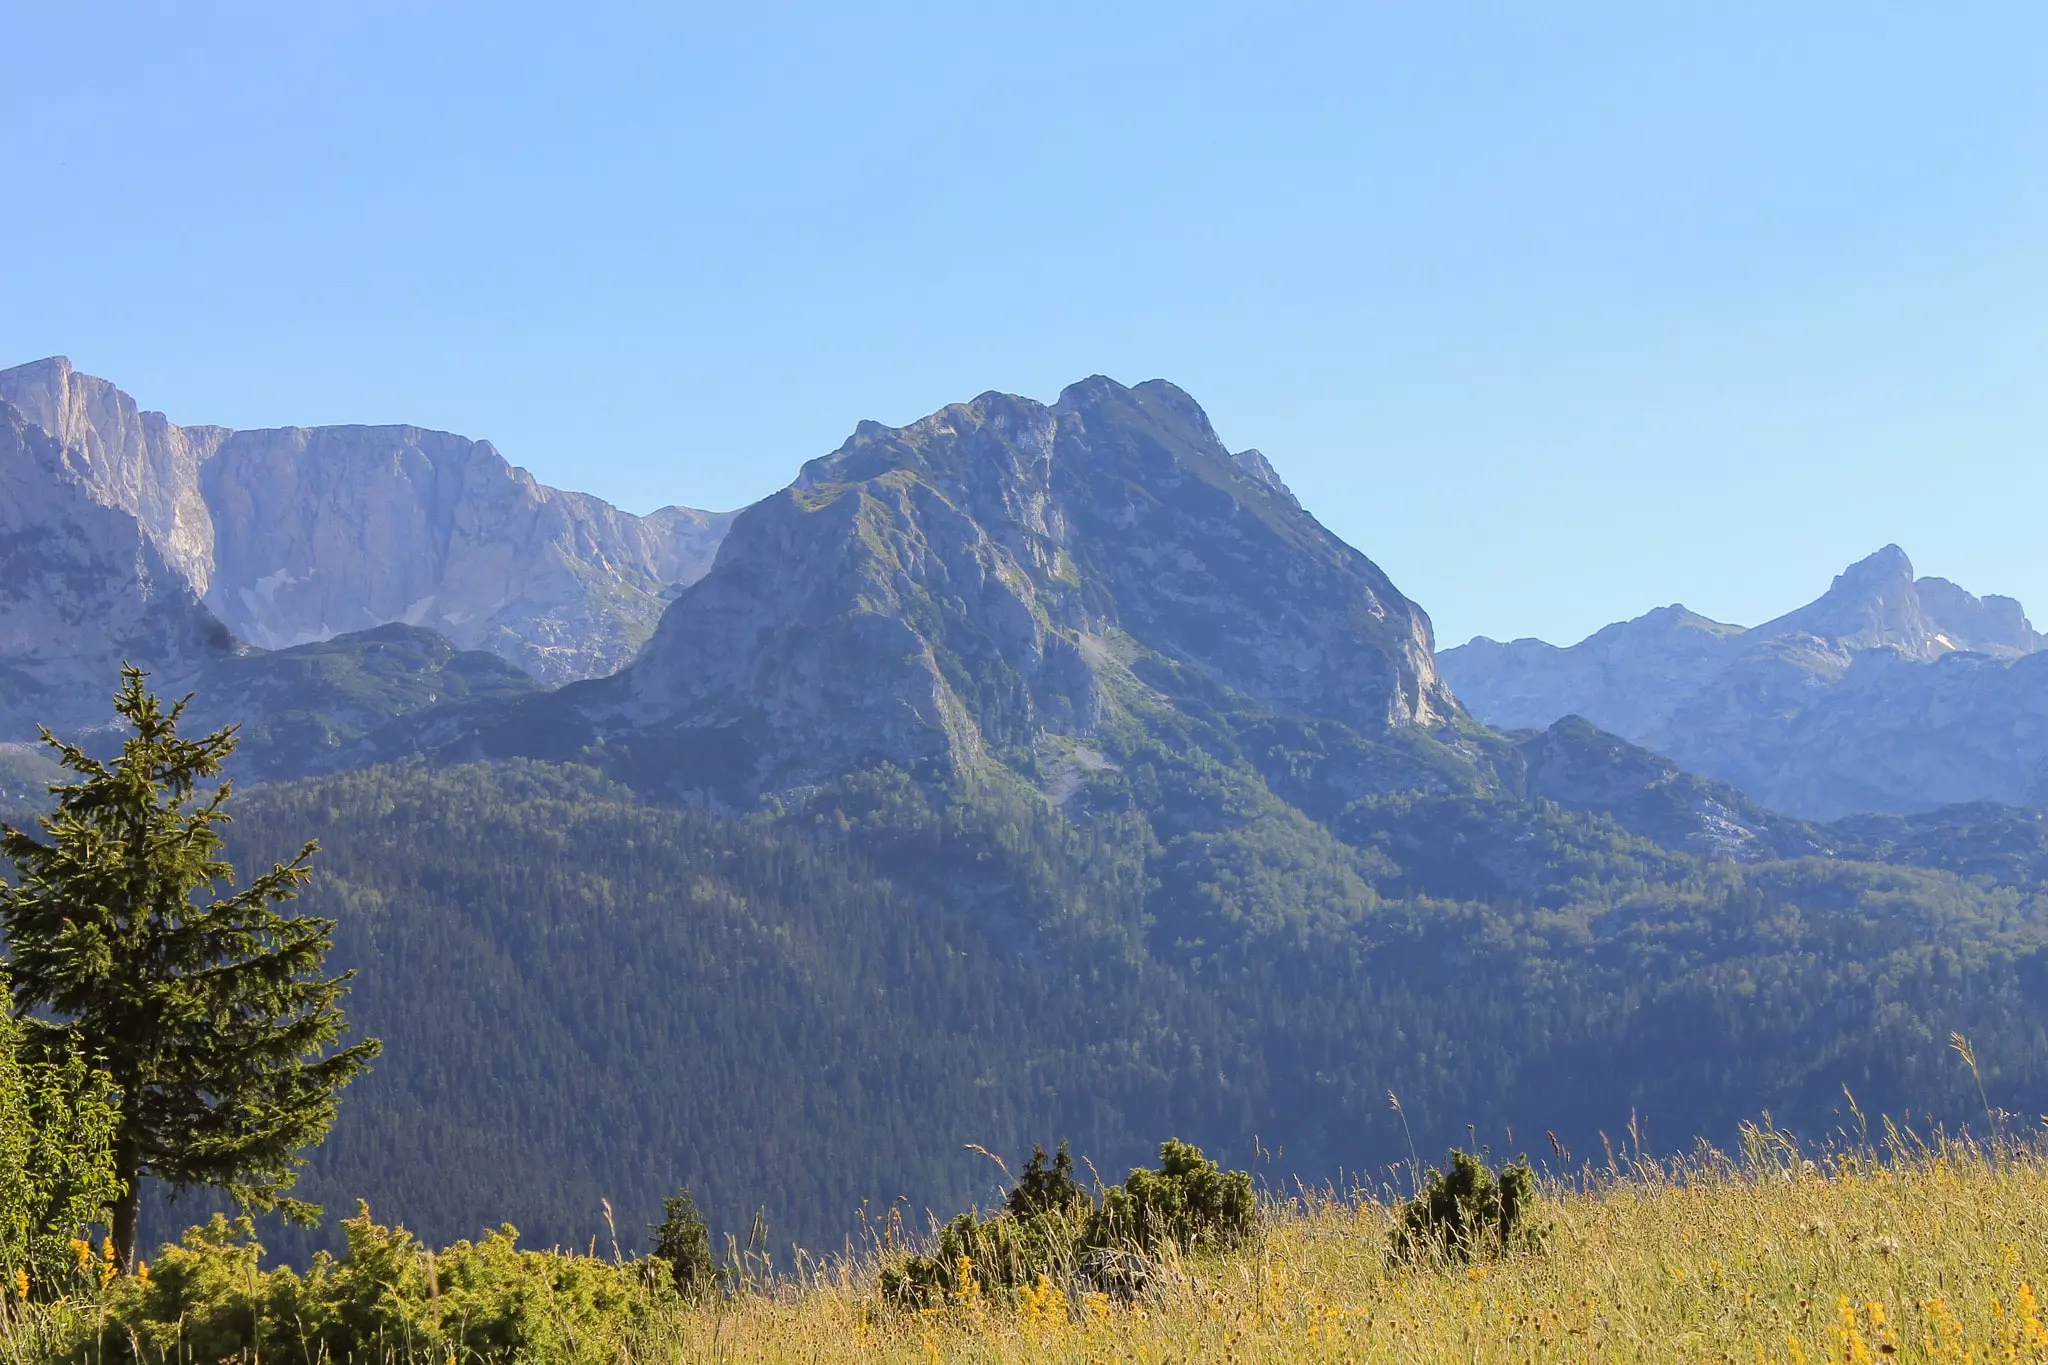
{"x":1876,"y":603}
{"x":1002,"y":571}
{"x":1888,"y":565}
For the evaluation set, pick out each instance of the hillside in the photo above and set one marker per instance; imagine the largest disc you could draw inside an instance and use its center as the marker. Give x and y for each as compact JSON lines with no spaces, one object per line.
{"x":813,"y":1012}
{"x":1880,"y":1244}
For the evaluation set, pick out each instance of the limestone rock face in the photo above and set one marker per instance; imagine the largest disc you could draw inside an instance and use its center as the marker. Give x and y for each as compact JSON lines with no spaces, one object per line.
{"x":335,"y":529}
{"x":83,"y":588}
{"x":1003,"y":571}
{"x":1876,"y":603}
{"x":1887,"y":693}
{"x":299,"y":534}
{"x":125,"y":458}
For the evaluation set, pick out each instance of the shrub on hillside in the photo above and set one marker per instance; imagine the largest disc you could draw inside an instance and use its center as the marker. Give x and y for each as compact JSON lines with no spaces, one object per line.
{"x":1190,"y":1203}
{"x":1470,"y":1212}
{"x":682,"y":1244}
{"x":1051,"y":1227}
{"x":57,"y":1120}
{"x":389,"y":1296}
{"x":1047,"y":1185}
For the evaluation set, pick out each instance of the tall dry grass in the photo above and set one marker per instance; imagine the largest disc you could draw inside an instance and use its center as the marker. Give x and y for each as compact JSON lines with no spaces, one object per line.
{"x":1895,"y":1249}
{"x":1903,"y":1250}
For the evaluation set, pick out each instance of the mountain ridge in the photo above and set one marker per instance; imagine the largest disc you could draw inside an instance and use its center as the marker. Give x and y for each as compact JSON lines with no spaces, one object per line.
{"x":1002,"y":575}
{"x":1886,"y":693}
{"x":296,"y":534}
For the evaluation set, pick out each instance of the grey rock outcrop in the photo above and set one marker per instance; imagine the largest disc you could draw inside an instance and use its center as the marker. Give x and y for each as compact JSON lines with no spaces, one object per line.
{"x":298,"y":534}
{"x":1887,"y":693}
{"x":1004,"y":571}
{"x":83,"y":588}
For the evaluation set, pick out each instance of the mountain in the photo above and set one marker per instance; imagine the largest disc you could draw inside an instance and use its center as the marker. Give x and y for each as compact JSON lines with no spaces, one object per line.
{"x":1039,"y":770}
{"x":1887,"y":693}
{"x":347,"y":701}
{"x":1583,"y":768}
{"x":298,"y":534}
{"x":82,"y":587}
{"x":1035,"y":588}
{"x":812,"y":1010}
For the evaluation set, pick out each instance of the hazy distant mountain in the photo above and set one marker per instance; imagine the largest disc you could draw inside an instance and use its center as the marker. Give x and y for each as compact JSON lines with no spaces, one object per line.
{"x":299,"y":534}
{"x":1887,"y":693}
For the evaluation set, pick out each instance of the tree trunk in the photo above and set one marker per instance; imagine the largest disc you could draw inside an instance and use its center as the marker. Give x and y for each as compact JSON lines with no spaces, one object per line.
{"x":127,"y":1206}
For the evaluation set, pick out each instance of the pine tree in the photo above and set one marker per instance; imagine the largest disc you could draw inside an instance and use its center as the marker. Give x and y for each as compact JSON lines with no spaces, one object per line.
{"x":208,"y":1009}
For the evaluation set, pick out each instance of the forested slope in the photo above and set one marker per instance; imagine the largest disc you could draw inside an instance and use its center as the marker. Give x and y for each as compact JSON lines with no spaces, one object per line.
{"x":586,"y":996}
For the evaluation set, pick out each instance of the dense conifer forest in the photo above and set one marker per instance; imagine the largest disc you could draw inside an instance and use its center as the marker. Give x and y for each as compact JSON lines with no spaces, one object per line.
{"x":809,"y":1011}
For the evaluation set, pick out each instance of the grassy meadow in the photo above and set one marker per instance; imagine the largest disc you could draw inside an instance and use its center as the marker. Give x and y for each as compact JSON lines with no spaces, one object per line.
{"x":1931,"y":1251}
{"x":1936,"y":1258}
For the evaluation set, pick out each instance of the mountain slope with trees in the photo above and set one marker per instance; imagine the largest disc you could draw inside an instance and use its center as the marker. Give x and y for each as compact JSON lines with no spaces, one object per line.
{"x":588,"y":996}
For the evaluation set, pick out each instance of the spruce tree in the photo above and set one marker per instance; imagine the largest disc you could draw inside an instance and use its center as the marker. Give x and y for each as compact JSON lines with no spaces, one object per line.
{"x":208,"y":1008}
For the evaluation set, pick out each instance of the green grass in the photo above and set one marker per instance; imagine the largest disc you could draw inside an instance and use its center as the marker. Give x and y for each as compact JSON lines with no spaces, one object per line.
{"x":1919,"y":1252}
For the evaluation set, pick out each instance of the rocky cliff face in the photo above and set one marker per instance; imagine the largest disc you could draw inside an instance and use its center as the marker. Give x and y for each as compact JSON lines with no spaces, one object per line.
{"x":1888,"y":692}
{"x":299,"y":534}
{"x":1006,"y":574}
{"x":83,"y":588}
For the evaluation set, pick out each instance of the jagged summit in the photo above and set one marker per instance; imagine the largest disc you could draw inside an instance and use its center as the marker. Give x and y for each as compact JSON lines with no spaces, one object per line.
{"x":1807,"y":711}
{"x":1871,"y":604}
{"x":1004,"y":570}
{"x":1878,"y":603}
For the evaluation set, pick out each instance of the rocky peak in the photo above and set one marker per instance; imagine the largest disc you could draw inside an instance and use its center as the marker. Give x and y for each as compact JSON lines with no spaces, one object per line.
{"x":1877,"y":603}
{"x":1871,"y":604}
{"x":1982,"y":625}
{"x":1883,"y":692}
{"x":1003,"y":570}
{"x":136,"y":461}
{"x":83,"y":588}
{"x":1253,"y":462}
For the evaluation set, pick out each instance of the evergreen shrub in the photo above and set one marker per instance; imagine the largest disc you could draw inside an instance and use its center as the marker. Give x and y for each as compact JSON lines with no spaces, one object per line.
{"x":682,"y":1244}
{"x":1470,"y":1213}
{"x":388,"y":1297}
{"x":1051,"y":1228}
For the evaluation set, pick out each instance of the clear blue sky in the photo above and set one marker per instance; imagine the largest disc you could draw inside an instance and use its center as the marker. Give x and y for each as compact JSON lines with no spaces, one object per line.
{"x":1559,"y":311}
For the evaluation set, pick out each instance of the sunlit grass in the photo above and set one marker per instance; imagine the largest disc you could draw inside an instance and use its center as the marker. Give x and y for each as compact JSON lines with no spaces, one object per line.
{"x":1930,"y":1252}
{"x":1935,"y":1256}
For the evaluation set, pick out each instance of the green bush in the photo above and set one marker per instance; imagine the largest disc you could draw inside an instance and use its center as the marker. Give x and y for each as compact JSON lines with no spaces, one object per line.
{"x":1469,"y":1213}
{"x":1189,"y":1203}
{"x":209,"y":1299}
{"x":1047,"y":1185}
{"x":57,"y":1177}
{"x":1050,"y":1226}
{"x":683,"y":1244}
